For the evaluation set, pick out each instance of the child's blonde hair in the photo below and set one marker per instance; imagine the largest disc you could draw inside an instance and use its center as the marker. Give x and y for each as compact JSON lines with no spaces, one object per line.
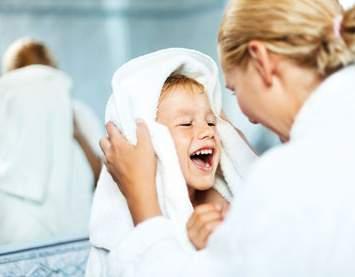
{"x":315,"y":33}
{"x":27,"y":51}
{"x":178,"y":80}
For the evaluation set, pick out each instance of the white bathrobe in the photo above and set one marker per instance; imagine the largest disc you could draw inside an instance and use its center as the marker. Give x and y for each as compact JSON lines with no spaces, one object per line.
{"x":46,"y":182}
{"x":295,"y":215}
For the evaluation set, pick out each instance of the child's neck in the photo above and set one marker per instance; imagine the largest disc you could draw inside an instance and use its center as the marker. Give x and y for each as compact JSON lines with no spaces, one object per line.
{"x":197,"y":197}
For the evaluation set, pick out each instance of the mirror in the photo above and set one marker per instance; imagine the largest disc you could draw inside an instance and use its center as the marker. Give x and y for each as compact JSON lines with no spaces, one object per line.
{"x":52,"y":116}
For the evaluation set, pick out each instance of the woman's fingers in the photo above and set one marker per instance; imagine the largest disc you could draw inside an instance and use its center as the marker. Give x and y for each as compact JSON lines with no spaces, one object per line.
{"x":225,"y":209}
{"x":202,"y":219}
{"x":200,"y":233}
{"x":133,"y":167}
{"x":202,"y":223}
{"x":143,"y":135}
{"x":105,"y":145}
{"x":207,"y":230}
{"x":199,"y":210}
{"x":114,"y":134}
{"x":112,"y":145}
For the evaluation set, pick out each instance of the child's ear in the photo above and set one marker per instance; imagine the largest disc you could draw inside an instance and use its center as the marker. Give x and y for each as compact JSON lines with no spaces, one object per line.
{"x":261,"y":59}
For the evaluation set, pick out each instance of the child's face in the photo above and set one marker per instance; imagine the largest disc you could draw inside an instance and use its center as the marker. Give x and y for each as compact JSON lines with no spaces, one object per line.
{"x":192,"y":125}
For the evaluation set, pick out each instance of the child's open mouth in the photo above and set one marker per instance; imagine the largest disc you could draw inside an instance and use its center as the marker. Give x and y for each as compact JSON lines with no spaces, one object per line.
{"x":203,"y":158}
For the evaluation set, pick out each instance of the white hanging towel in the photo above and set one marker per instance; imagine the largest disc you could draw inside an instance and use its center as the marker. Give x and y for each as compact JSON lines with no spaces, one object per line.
{"x":45,"y":187}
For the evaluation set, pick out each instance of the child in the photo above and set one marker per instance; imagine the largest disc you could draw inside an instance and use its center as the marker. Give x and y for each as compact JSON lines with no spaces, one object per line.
{"x":185,"y":110}
{"x":176,"y":91}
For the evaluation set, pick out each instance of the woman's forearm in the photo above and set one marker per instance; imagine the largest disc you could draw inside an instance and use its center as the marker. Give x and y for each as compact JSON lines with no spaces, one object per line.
{"x":144,"y":205}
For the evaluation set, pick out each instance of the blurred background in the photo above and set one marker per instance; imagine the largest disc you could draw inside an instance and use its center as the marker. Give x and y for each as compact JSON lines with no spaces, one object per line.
{"x":90,"y":39}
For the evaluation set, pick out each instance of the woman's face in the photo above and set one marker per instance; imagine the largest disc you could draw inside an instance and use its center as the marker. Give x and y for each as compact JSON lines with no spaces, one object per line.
{"x":260,"y":103}
{"x":271,"y":89}
{"x":243,"y":87}
{"x":192,"y":125}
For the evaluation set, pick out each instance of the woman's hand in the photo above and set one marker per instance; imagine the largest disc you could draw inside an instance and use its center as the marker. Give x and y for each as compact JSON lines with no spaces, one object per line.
{"x":133,"y":167}
{"x":203,"y":222}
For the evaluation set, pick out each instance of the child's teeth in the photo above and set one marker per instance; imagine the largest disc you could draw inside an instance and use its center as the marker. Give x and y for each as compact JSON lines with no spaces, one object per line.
{"x":204,"y":152}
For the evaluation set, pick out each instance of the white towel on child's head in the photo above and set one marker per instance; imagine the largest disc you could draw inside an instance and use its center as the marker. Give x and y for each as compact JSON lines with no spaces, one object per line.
{"x":136,"y":90}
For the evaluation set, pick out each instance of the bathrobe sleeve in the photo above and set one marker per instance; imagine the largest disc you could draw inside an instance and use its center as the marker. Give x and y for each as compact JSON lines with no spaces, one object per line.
{"x":153,"y":249}
{"x":287,"y":220}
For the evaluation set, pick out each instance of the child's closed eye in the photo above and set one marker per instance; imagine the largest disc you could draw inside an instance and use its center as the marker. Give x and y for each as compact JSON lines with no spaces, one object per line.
{"x":186,"y":124}
{"x":211,"y":124}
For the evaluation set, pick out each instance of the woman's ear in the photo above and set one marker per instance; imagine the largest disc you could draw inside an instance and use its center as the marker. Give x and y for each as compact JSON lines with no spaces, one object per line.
{"x":262,"y":60}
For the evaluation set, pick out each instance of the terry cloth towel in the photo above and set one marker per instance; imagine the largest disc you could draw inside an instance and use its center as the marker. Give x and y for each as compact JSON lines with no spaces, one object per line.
{"x":35,"y":119}
{"x":136,"y":90}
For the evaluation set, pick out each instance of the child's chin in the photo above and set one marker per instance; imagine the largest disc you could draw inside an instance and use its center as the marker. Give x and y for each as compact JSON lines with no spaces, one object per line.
{"x":202,"y":185}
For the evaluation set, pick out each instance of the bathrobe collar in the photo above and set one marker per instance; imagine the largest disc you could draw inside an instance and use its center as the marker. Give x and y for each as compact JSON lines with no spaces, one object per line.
{"x":327,"y":109}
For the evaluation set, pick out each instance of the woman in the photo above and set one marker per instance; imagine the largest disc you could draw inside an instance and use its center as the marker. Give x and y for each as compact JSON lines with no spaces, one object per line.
{"x":289,"y":64}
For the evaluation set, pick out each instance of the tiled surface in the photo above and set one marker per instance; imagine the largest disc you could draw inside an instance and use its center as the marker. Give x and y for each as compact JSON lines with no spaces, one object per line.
{"x":67,"y":258}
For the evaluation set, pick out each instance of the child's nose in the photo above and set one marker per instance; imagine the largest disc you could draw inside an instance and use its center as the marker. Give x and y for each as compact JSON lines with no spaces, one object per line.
{"x":205,"y":132}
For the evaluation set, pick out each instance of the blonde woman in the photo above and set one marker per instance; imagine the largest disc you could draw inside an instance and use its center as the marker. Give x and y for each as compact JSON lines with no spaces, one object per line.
{"x":289,"y":63}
